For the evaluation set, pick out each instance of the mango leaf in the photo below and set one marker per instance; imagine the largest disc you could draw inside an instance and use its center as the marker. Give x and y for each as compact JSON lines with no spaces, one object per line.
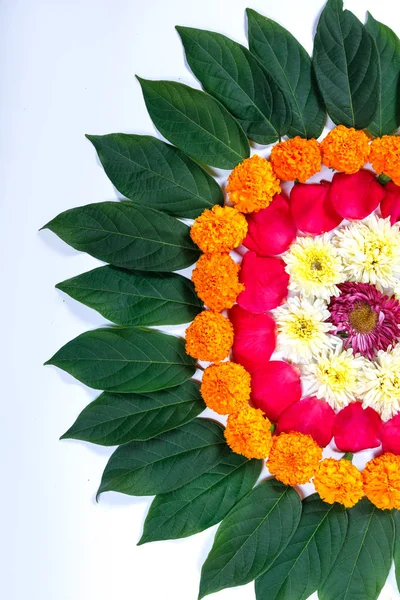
{"x":196,"y":123}
{"x":251,"y":537}
{"x":307,"y":559}
{"x":387,"y":117}
{"x":288,"y":63}
{"x":203,"y":502}
{"x":135,"y":298}
{"x":364,"y":561}
{"x":346,"y":65}
{"x":155,"y":174}
{"x":126,"y":359}
{"x":114,"y":419}
{"x":228,"y":71}
{"x":166,"y":462}
{"x":396,"y":517}
{"x":127,"y":235}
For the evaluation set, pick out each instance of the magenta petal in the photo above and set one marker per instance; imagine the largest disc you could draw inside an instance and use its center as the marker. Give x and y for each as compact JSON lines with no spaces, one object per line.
{"x":275,"y":387}
{"x":255,"y":338}
{"x":311,"y":416}
{"x":271,"y":230}
{"x":390,"y":205}
{"x":357,"y":428}
{"x":312,"y":208}
{"x":356,"y":196}
{"x":266,"y":283}
{"x":390,"y":435}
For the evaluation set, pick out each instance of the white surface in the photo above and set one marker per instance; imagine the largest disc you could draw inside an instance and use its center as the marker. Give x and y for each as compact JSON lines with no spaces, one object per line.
{"x":67,"y":69}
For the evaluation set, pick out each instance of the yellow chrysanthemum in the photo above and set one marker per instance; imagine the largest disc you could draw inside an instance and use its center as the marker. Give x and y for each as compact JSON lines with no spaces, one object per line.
{"x":385,"y":156}
{"x":370,"y":251}
{"x":216,"y":280}
{"x":345,"y":149}
{"x":220,"y":229}
{"x":248,"y":432}
{"x":252,"y":185}
{"x":209,"y":337}
{"x":294,"y":457}
{"x":381,"y":478}
{"x":339,"y":481}
{"x":225,"y":387}
{"x":314,"y":266}
{"x":296,"y":158}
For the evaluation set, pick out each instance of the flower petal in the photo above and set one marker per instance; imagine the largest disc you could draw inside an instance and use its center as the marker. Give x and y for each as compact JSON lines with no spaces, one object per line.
{"x":357,"y":428}
{"x":390,"y":435}
{"x":255,"y":338}
{"x":275,"y":387}
{"x":271,"y":230}
{"x":390,"y":205}
{"x":311,"y":416}
{"x":265,"y":281}
{"x":356,"y":196}
{"x":312,"y":208}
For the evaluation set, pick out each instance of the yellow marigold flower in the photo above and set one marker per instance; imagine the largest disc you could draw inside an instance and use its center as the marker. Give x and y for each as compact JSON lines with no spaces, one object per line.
{"x":216,"y":279}
{"x":248,"y":432}
{"x":209,"y":337}
{"x":385,"y":156}
{"x":252,"y":184}
{"x":296,"y":159}
{"x":220,"y":229}
{"x":294,"y":457}
{"x":381,"y":478}
{"x":225,"y":387}
{"x":345,"y":149}
{"x":339,"y":481}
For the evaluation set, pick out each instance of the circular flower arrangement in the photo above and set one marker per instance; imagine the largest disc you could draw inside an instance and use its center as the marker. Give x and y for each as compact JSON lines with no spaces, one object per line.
{"x":293,"y":304}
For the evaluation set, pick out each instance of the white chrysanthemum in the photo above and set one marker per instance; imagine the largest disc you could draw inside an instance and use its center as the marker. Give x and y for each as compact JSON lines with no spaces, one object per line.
{"x":370,"y":251}
{"x":314,"y":266}
{"x":334,"y":378}
{"x":302,"y":330}
{"x":380,"y":383}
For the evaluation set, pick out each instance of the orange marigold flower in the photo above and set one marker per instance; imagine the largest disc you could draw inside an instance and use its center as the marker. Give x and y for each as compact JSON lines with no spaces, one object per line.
{"x":339,"y":481}
{"x":385,"y":156}
{"x":252,"y":184}
{"x":209,"y":337}
{"x":220,"y":229}
{"x":381,"y":478}
{"x":248,"y":432}
{"x":216,"y":279}
{"x":296,"y":159}
{"x":225,"y":387}
{"x":294,"y":457}
{"x":345,"y":149}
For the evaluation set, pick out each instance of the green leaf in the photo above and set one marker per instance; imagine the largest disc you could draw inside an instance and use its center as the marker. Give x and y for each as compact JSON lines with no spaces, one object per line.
{"x":289,"y":64}
{"x":387,"y":117}
{"x":127,"y":235}
{"x":396,"y":517}
{"x":203,"y":502}
{"x":166,"y":462}
{"x":196,"y":123}
{"x":156,"y":174}
{"x":136,"y":298}
{"x":307,"y":560}
{"x":364,"y":561}
{"x":114,"y":419}
{"x":346,"y":65}
{"x":231,"y":74}
{"x":126,"y":359}
{"x":251,"y":537}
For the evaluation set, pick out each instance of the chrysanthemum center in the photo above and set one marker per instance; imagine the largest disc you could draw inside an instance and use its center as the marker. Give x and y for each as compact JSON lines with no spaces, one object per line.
{"x":363,"y":319}
{"x":318,"y":266}
{"x":302,"y":328}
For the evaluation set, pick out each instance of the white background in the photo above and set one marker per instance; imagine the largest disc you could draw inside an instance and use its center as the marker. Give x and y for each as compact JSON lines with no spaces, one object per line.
{"x":67,"y":68}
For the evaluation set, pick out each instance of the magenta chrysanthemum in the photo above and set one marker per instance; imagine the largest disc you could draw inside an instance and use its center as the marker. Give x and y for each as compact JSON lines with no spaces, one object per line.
{"x":368,"y":320}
